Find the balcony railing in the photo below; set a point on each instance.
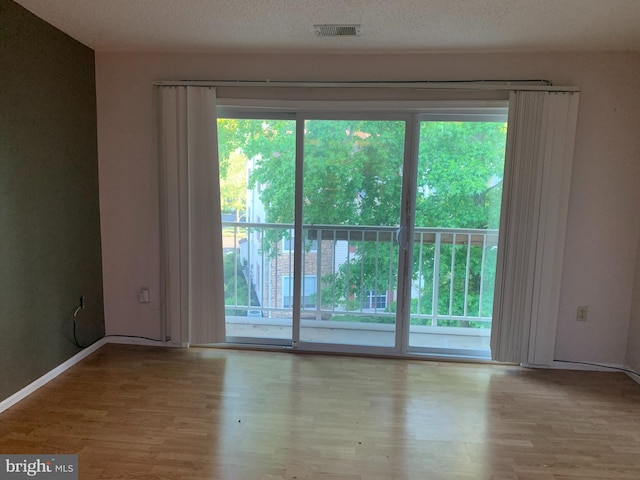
(350, 274)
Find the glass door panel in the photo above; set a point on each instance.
(459, 192)
(352, 189)
(257, 185)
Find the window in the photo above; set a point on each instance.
(369, 135)
(309, 291)
(311, 246)
(374, 301)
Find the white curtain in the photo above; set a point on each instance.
(191, 238)
(537, 175)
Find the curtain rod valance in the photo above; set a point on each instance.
(512, 85)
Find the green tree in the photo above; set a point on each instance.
(233, 184)
(272, 144)
(460, 167)
(235, 285)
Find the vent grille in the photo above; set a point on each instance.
(337, 30)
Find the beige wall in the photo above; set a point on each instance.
(603, 227)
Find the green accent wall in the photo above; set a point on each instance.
(49, 212)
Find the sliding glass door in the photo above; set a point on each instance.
(349, 232)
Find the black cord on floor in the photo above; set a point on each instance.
(620, 369)
(79, 345)
(135, 336)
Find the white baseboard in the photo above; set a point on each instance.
(47, 377)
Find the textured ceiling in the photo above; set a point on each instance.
(387, 25)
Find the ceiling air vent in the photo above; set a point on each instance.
(337, 30)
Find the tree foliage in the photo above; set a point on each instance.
(352, 172)
(233, 184)
(460, 166)
(272, 144)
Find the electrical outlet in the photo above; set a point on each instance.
(582, 313)
(143, 295)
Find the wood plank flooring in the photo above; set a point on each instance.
(134, 412)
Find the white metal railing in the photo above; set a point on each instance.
(350, 273)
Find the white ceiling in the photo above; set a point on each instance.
(387, 25)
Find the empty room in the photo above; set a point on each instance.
(320, 240)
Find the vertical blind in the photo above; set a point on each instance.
(190, 215)
(540, 139)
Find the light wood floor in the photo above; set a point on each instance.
(134, 412)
